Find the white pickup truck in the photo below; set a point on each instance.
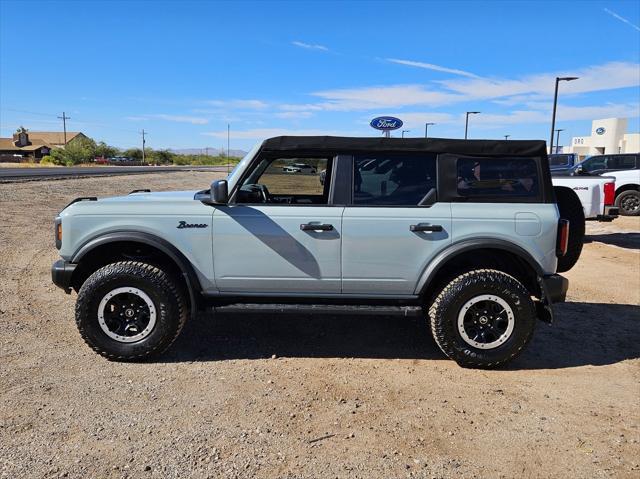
(596, 194)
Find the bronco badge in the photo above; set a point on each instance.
(184, 224)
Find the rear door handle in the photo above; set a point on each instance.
(425, 227)
(316, 227)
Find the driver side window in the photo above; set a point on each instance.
(596, 163)
(288, 181)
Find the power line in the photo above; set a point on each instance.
(87, 123)
(29, 112)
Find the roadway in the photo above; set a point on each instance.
(8, 175)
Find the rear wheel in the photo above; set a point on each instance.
(629, 203)
(130, 310)
(483, 318)
(571, 209)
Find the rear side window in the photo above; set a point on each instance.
(498, 177)
(621, 162)
(394, 180)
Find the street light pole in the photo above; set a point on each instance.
(426, 129)
(405, 131)
(466, 123)
(555, 106)
(228, 142)
(558, 138)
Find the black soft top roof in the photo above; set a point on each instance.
(433, 145)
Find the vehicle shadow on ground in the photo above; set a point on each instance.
(583, 334)
(624, 240)
(260, 335)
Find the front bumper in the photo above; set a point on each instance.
(556, 287)
(61, 273)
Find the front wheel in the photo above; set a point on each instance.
(483, 318)
(629, 203)
(130, 310)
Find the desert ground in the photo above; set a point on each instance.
(246, 395)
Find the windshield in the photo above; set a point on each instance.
(237, 171)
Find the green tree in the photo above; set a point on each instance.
(133, 153)
(106, 151)
(78, 151)
(163, 157)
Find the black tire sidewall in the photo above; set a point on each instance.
(100, 284)
(498, 284)
(570, 208)
(621, 197)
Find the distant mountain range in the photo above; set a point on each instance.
(207, 151)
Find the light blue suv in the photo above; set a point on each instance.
(467, 231)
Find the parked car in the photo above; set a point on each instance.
(467, 233)
(562, 161)
(119, 159)
(627, 192)
(299, 168)
(602, 164)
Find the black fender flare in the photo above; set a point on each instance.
(186, 269)
(453, 250)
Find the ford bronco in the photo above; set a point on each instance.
(467, 233)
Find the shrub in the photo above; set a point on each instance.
(75, 152)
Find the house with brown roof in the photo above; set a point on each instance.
(55, 138)
(33, 145)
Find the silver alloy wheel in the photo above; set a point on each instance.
(127, 314)
(486, 321)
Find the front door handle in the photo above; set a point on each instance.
(425, 227)
(316, 227)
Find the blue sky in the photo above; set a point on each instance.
(183, 70)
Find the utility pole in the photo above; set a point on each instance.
(143, 142)
(64, 119)
(228, 142)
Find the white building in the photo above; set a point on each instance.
(607, 136)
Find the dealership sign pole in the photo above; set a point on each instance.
(386, 124)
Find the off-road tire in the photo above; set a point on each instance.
(443, 316)
(623, 198)
(163, 290)
(571, 209)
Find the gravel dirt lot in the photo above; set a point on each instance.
(357, 397)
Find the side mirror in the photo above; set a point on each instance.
(578, 170)
(219, 192)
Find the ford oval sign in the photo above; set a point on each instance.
(600, 131)
(386, 123)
